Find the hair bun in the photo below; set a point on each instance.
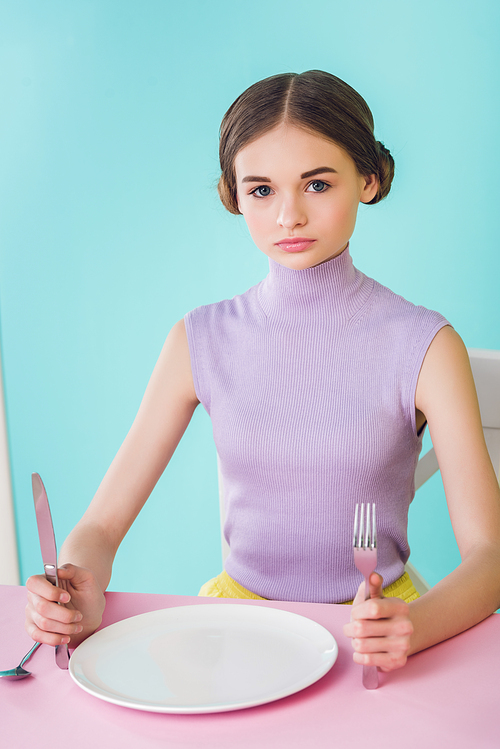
(385, 172)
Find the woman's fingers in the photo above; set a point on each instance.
(43, 609)
(388, 652)
(81, 614)
(47, 638)
(384, 661)
(379, 608)
(398, 643)
(50, 631)
(380, 631)
(399, 626)
(376, 583)
(47, 621)
(40, 586)
(70, 572)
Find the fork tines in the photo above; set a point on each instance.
(365, 534)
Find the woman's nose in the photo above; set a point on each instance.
(291, 214)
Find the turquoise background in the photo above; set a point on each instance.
(111, 228)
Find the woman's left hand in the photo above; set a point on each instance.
(380, 628)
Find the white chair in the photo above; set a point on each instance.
(486, 370)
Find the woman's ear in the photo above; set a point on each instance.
(370, 188)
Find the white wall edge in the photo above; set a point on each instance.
(9, 558)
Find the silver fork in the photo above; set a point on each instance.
(365, 558)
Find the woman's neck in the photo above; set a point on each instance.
(334, 287)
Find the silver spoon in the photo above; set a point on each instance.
(19, 672)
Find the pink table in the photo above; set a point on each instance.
(447, 696)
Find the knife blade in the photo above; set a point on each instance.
(48, 549)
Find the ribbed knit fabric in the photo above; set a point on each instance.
(309, 378)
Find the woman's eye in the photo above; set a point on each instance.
(262, 192)
(318, 186)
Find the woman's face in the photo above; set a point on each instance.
(299, 194)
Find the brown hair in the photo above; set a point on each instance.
(315, 101)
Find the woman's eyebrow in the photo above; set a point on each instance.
(255, 179)
(311, 173)
(319, 170)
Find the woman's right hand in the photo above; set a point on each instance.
(53, 624)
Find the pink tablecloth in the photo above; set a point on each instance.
(447, 696)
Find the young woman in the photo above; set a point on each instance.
(319, 383)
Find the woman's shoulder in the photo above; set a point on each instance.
(225, 310)
(396, 309)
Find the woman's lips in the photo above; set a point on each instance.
(297, 244)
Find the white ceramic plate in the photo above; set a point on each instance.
(203, 659)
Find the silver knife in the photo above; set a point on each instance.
(48, 549)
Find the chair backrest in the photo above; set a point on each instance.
(486, 370)
(222, 511)
(485, 366)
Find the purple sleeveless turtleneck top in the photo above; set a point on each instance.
(309, 378)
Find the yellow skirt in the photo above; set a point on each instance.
(224, 586)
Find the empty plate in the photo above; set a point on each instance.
(203, 658)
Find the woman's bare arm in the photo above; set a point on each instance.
(164, 414)
(90, 548)
(385, 631)
(446, 395)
